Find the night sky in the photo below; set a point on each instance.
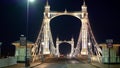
(104, 19)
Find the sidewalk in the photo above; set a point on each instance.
(100, 65)
(22, 65)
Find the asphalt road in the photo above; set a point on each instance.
(63, 63)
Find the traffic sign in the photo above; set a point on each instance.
(109, 43)
(23, 41)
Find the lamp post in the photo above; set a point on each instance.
(0, 48)
(89, 57)
(109, 43)
(42, 56)
(26, 57)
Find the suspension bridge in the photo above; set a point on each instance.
(86, 44)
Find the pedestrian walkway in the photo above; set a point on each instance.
(22, 65)
(101, 65)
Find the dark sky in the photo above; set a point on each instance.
(104, 18)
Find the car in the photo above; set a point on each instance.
(62, 56)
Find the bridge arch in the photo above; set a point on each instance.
(70, 24)
(58, 42)
(74, 14)
(64, 48)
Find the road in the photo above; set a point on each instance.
(63, 63)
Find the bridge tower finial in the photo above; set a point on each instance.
(47, 3)
(84, 7)
(65, 11)
(72, 39)
(84, 3)
(47, 7)
(57, 39)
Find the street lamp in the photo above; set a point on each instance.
(109, 43)
(89, 58)
(31, 1)
(89, 44)
(42, 56)
(26, 57)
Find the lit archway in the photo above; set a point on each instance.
(70, 24)
(65, 48)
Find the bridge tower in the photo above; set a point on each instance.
(59, 42)
(84, 28)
